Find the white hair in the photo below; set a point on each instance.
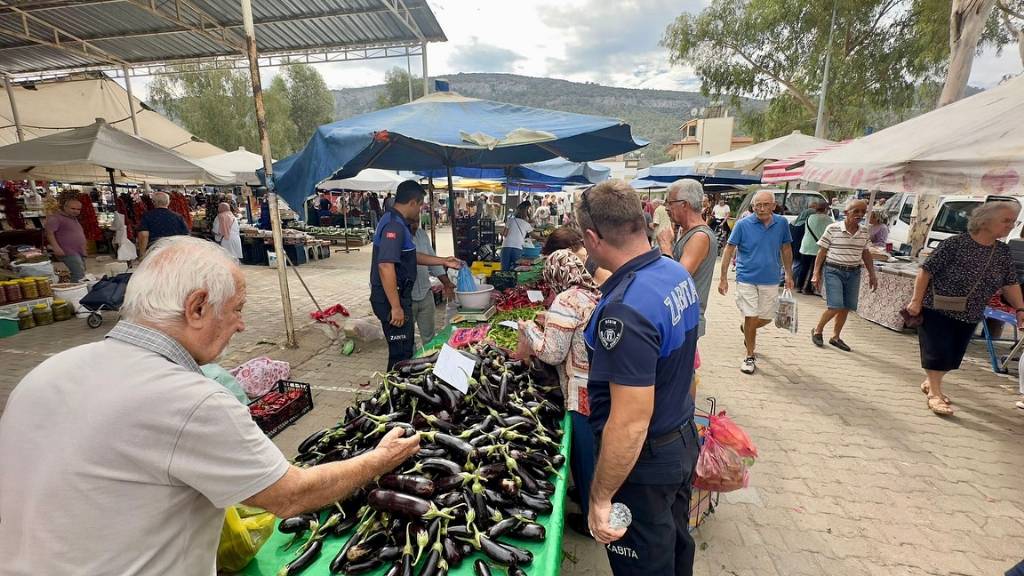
(176, 267)
(982, 215)
(688, 190)
(161, 199)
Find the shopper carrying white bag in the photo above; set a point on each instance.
(785, 316)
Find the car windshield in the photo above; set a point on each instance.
(953, 216)
(796, 202)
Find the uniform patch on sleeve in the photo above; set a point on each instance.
(391, 235)
(609, 332)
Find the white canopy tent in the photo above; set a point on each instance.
(97, 153)
(241, 163)
(751, 158)
(369, 180)
(972, 146)
(53, 106)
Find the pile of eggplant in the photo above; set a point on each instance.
(479, 482)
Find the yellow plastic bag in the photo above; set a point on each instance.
(245, 530)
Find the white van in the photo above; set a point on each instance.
(951, 219)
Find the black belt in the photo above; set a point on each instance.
(843, 267)
(670, 436)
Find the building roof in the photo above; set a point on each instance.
(60, 35)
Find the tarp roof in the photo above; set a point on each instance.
(85, 154)
(53, 106)
(752, 158)
(972, 146)
(242, 163)
(53, 35)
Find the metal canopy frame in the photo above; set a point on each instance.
(46, 38)
(41, 39)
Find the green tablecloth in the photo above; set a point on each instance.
(547, 555)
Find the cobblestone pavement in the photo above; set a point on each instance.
(855, 475)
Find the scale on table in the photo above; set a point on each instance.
(470, 315)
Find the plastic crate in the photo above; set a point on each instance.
(286, 415)
(485, 268)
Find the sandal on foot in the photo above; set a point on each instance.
(925, 390)
(936, 405)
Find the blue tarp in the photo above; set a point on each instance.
(554, 171)
(445, 129)
(672, 171)
(641, 184)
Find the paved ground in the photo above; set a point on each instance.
(855, 476)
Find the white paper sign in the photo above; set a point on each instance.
(454, 368)
(509, 324)
(535, 295)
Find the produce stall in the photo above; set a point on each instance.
(503, 475)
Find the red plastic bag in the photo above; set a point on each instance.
(730, 434)
(719, 468)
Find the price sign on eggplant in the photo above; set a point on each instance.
(454, 368)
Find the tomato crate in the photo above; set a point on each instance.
(282, 406)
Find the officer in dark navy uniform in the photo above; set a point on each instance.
(393, 271)
(642, 339)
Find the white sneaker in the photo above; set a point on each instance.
(748, 365)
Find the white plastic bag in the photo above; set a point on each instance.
(259, 375)
(367, 329)
(126, 251)
(785, 316)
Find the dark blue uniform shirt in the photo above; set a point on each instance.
(393, 242)
(643, 333)
(162, 222)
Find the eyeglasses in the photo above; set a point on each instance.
(764, 205)
(670, 202)
(585, 206)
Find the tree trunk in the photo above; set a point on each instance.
(1016, 31)
(926, 207)
(966, 23)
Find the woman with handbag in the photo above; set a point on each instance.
(952, 289)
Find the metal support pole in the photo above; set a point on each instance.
(426, 86)
(14, 108)
(131, 103)
(819, 126)
(408, 70)
(433, 219)
(275, 214)
(451, 208)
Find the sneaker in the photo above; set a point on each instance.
(817, 339)
(838, 343)
(748, 365)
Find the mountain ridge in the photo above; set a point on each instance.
(654, 115)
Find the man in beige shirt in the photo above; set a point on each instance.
(141, 453)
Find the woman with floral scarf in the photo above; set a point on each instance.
(556, 338)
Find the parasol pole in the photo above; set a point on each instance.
(451, 206)
(275, 214)
(113, 186)
(433, 221)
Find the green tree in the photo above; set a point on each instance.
(215, 105)
(396, 88)
(775, 50)
(284, 135)
(312, 103)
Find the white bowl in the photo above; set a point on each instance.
(476, 300)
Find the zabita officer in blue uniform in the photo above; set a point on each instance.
(642, 339)
(393, 271)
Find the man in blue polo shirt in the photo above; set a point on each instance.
(764, 249)
(641, 338)
(393, 271)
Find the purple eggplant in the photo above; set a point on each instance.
(415, 485)
(398, 503)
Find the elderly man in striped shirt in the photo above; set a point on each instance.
(842, 248)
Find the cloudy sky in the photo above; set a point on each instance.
(612, 43)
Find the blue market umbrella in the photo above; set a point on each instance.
(443, 131)
(671, 171)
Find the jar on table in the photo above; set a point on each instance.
(42, 314)
(25, 320)
(28, 288)
(43, 287)
(61, 310)
(13, 291)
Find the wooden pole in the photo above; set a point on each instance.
(433, 221)
(131, 104)
(426, 87)
(275, 214)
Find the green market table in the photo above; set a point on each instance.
(547, 555)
